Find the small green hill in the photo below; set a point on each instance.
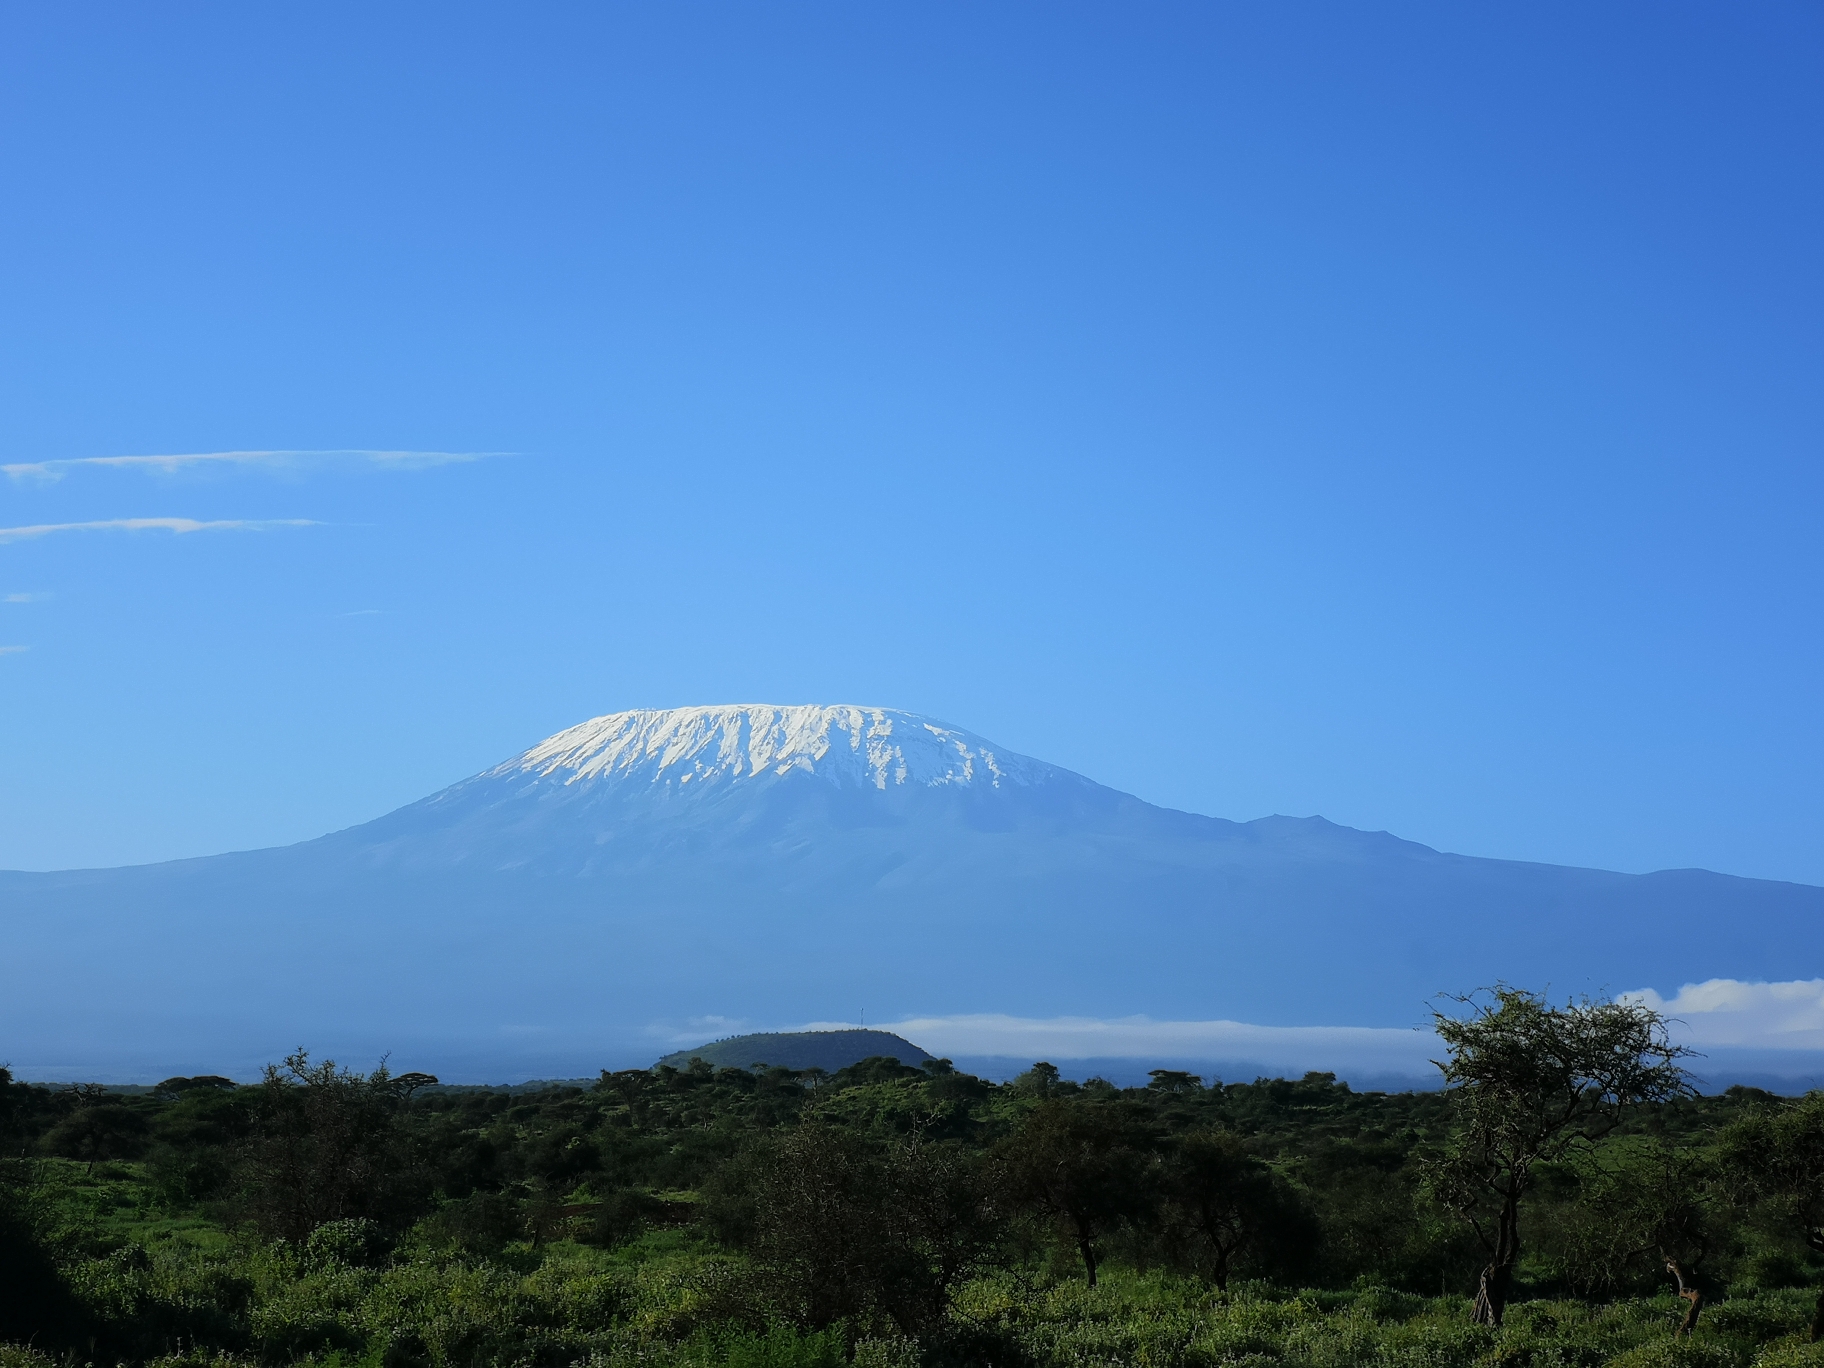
(827, 1050)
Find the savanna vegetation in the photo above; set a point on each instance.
(1564, 1199)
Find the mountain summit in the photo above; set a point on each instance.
(623, 786)
(648, 877)
(847, 746)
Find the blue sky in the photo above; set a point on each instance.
(1409, 414)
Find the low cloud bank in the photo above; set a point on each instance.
(1760, 1016)
(1751, 1032)
(1287, 1049)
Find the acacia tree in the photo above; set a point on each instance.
(848, 1229)
(1223, 1206)
(1777, 1153)
(328, 1145)
(807, 1205)
(1085, 1165)
(947, 1215)
(1530, 1084)
(1659, 1206)
(97, 1130)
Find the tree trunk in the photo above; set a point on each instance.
(1491, 1294)
(1492, 1288)
(1691, 1293)
(1089, 1260)
(1815, 1238)
(1087, 1248)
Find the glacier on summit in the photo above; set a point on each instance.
(747, 781)
(873, 747)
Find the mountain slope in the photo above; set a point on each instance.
(649, 875)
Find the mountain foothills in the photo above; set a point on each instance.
(652, 878)
(830, 1051)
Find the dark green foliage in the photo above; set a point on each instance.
(205, 1083)
(852, 1228)
(1089, 1167)
(887, 1216)
(35, 1302)
(326, 1144)
(1776, 1154)
(1531, 1084)
(104, 1128)
(1225, 1211)
(830, 1051)
(353, 1243)
(480, 1223)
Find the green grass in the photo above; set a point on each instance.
(661, 1303)
(1157, 1321)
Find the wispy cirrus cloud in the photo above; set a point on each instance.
(24, 598)
(179, 526)
(278, 460)
(13, 650)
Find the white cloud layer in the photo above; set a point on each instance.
(293, 460)
(1718, 1013)
(1722, 1013)
(1728, 1012)
(179, 526)
(1287, 1048)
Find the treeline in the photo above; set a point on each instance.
(924, 1213)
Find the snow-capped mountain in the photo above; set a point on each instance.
(750, 779)
(757, 866)
(846, 746)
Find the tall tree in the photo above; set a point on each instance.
(1647, 1203)
(328, 1145)
(1531, 1083)
(848, 1229)
(99, 1129)
(1224, 1207)
(1086, 1165)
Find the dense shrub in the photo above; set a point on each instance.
(883, 1217)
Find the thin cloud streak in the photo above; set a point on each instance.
(170, 464)
(24, 598)
(179, 526)
(13, 650)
